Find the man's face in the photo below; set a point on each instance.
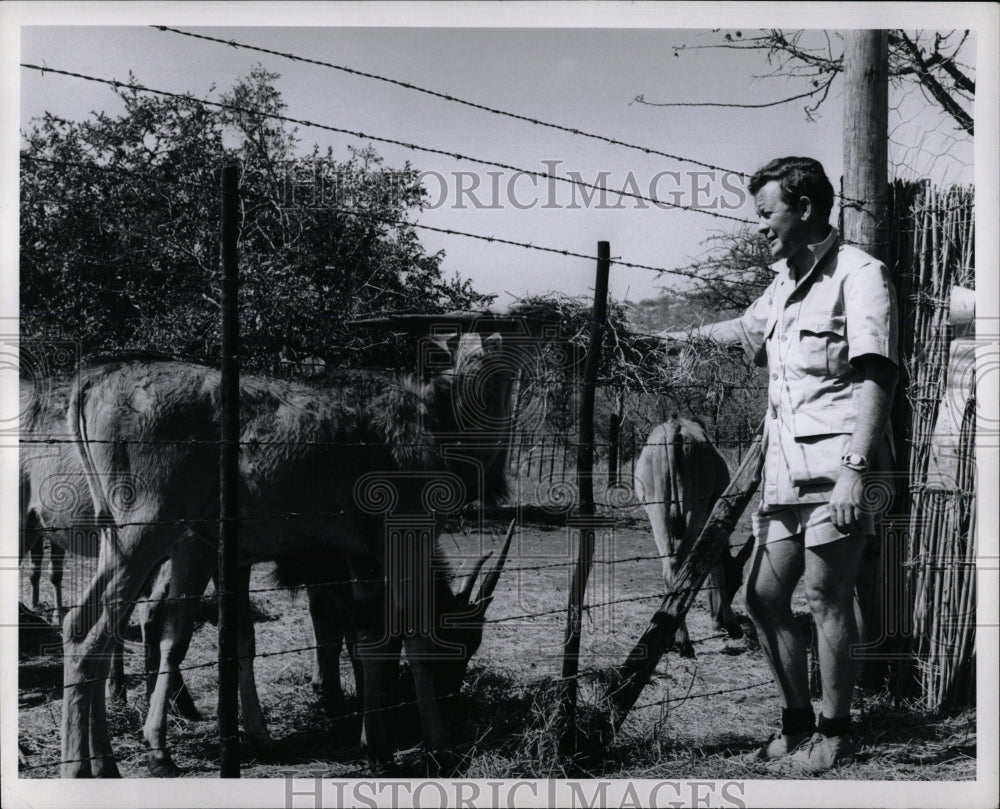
(784, 226)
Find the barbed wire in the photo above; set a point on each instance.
(459, 574)
(685, 273)
(475, 105)
(341, 444)
(619, 192)
(209, 520)
(702, 694)
(360, 714)
(539, 682)
(315, 646)
(448, 97)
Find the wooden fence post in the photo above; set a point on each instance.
(229, 480)
(585, 483)
(630, 678)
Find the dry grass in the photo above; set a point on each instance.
(693, 720)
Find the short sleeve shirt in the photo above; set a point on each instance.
(808, 330)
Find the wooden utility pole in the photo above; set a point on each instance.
(865, 212)
(866, 140)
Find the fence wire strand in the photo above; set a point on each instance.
(619, 192)
(448, 97)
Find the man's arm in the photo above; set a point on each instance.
(723, 331)
(873, 402)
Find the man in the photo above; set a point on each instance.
(826, 328)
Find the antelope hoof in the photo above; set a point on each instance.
(162, 766)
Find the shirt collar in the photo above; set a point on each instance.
(813, 256)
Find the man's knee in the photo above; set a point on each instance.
(828, 598)
(761, 600)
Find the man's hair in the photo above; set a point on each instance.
(798, 177)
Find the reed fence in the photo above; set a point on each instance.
(935, 417)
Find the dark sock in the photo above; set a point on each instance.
(797, 720)
(839, 726)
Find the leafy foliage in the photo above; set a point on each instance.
(120, 224)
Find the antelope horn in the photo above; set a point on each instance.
(491, 578)
(465, 589)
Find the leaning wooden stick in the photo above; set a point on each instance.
(635, 672)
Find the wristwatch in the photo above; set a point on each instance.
(854, 461)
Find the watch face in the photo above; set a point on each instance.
(856, 462)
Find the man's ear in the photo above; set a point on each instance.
(806, 209)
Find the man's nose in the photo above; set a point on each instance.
(762, 226)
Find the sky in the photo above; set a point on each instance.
(577, 64)
(583, 78)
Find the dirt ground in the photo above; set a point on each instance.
(694, 719)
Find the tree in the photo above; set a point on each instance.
(120, 223)
(933, 60)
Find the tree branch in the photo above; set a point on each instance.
(911, 58)
(933, 86)
(962, 82)
(641, 99)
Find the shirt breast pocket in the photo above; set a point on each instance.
(823, 345)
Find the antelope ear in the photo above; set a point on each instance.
(446, 342)
(439, 351)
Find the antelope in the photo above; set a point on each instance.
(53, 495)
(353, 479)
(678, 478)
(55, 504)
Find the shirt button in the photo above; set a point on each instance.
(774, 375)
(784, 338)
(774, 414)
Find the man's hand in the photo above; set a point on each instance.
(846, 501)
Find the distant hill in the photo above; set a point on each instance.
(671, 312)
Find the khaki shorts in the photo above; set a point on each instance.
(809, 520)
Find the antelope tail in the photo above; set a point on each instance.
(77, 423)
